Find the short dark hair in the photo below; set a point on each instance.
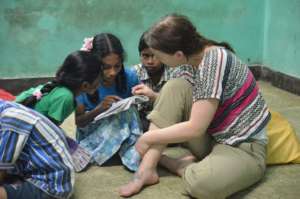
(142, 43)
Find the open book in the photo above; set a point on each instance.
(122, 105)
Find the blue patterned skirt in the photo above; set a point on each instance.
(114, 134)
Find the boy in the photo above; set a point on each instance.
(152, 74)
(35, 150)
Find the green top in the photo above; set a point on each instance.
(58, 104)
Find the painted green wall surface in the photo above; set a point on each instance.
(282, 36)
(35, 36)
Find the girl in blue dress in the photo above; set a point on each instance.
(117, 133)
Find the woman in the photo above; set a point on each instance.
(217, 98)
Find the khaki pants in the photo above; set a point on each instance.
(222, 169)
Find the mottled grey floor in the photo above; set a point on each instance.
(280, 181)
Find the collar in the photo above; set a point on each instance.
(144, 76)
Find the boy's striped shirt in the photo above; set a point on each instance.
(32, 146)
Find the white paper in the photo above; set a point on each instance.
(122, 105)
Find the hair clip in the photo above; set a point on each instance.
(87, 44)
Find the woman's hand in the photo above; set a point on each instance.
(142, 89)
(142, 146)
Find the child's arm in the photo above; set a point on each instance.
(184, 131)
(83, 118)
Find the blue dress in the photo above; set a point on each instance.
(114, 134)
(131, 81)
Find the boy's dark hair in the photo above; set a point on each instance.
(142, 43)
(176, 32)
(105, 44)
(78, 67)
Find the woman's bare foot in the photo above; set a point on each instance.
(141, 179)
(176, 166)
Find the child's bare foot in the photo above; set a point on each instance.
(176, 166)
(141, 179)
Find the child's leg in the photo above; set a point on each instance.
(24, 190)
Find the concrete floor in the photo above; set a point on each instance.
(281, 181)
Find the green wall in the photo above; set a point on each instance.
(35, 36)
(282, 36)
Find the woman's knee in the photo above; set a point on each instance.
(173, 105)
(177, 86)
(212, 177)
(201, 183)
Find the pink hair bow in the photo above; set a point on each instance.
(38, 94)
(87, 44)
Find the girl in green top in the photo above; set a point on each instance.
(80, 72)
